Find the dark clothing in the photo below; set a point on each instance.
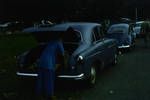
(48, 56)
(45, 82)
(46, 68)
(145, 30)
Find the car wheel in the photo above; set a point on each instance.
(115, 61)
(92, 78)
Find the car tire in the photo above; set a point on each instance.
(115, 61)
(92, 78)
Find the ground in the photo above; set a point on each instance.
(128, 80)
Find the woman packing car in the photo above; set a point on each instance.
(46, 68)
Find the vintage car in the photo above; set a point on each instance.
(11, 26)
(86, 51)
(123, 33)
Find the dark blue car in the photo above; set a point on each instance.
(86, 51)
(123, 33)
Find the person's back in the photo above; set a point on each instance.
(145, 30)
(145, 27)
(48, 56)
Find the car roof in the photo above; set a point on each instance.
(125, 27)
(120, 24)
(80, 26)
(139, 22)
(65, 26)
(85, 28)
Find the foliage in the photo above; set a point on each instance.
(10, 46)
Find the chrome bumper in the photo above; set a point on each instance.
(124, 46)
(27, 74)
(73, 77)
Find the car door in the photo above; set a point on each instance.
(133, 34)
(108, 45)
(130, 34)
(98, 44)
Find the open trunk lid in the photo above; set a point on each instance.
(70, 42)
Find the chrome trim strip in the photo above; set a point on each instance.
(71, 76)
(80, 76)
(124, 46)
(26, 74)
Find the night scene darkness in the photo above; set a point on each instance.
(60, 9)
(74, 49)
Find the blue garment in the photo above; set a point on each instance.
(48, 56)
(46, 68)
(45, 82)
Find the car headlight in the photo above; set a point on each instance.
(80, 59)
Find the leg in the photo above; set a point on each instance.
(49, 79)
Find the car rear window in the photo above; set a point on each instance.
(116, 30)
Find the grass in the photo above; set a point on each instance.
(10, 46)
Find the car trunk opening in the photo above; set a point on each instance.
(70, 43)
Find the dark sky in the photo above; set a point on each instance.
(31, 9)
(39, 9)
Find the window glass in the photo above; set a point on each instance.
(97, 34)
(93, 37)
(130, 29)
